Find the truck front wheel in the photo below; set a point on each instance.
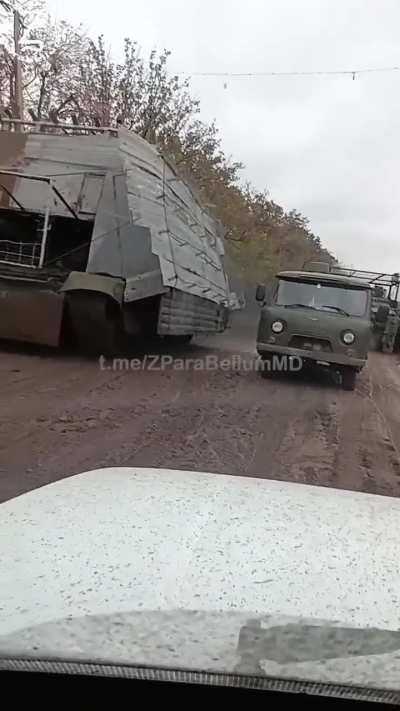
(266, 368)
(349, 376)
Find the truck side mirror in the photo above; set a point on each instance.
(260, 292)
(382, 313)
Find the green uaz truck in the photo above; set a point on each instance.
(316, 317)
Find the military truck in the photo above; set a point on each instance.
(317, 317)
(101, 240)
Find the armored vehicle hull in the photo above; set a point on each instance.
(101, 240)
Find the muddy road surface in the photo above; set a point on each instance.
(62, 414)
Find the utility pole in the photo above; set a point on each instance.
(19, 97)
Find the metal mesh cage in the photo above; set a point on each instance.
(21, 253)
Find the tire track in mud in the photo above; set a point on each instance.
(64, 415)
(367, 457)
(190, 429)
(307, 448)
(341, 439)
(110, 420)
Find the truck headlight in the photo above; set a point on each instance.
(348, 337)
(277, 327)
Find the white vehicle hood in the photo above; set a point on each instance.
(197, 571)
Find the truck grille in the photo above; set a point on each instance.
(310, 344)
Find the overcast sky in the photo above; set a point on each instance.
(327, 146)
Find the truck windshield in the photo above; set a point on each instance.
(324, 297)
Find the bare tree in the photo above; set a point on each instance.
(52, 82)
(135, 93)
(50, 56)
(13, 58)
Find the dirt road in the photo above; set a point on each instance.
(61, 414)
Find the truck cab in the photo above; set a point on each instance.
(318, 318)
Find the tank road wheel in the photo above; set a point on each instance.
(95, 323)
(349, 376)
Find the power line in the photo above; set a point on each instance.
(334, 72)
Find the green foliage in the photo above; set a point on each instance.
(260, 236)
